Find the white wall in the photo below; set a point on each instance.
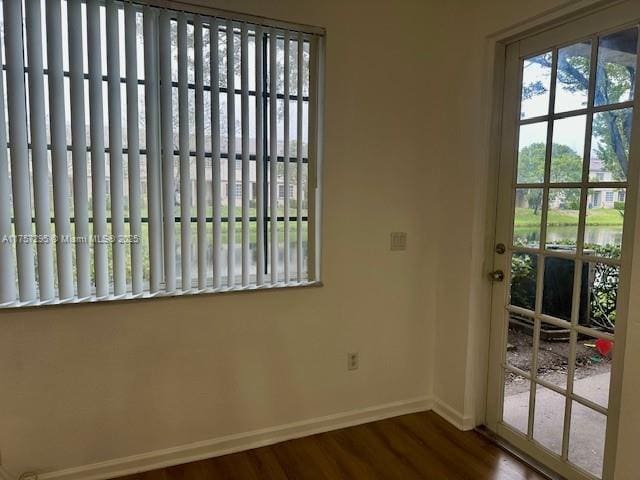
(81, 384)
(405, 117)
(460, 135)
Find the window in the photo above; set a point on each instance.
(132, 107)
(621, 196)
(292, 191)
(608, 196)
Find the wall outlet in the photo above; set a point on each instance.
(398, 241)
(353, 361)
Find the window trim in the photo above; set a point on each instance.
(195, 9)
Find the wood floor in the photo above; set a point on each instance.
(417, 446)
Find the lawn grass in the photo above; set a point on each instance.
(595, 217)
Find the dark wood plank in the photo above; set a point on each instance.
(266, 464)
(231, 467)
(429, 460)
(485, 459)
(304, 458)
(152, 475)
(351, 459)
(411, 447)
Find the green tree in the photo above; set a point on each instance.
(531, 163)
(566, 166)
(612, 129)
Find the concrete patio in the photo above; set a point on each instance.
(587, 433)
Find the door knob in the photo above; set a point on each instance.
(496, 275)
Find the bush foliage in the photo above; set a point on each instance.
(603, 281)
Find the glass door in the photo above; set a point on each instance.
(565, 214)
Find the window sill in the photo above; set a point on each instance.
(160, 295)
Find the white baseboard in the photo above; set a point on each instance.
(453, 416)
(234, 443)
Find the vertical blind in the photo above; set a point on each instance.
(147, 151)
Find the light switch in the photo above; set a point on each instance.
(398, 241)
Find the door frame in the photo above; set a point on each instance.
(496, 74)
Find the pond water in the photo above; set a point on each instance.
(601, 235)
(253, 254)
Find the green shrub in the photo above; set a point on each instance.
(603, 291)
(572, 204)
(523, 281)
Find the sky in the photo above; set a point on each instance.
(569, 131)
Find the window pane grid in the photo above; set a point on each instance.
(111, 246)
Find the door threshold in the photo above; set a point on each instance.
(528, 460)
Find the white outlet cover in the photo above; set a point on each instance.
(353, 361)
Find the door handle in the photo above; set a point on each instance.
(496, 276)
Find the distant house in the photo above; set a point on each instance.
(224, 175)
(603, 197)
(568, 198)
